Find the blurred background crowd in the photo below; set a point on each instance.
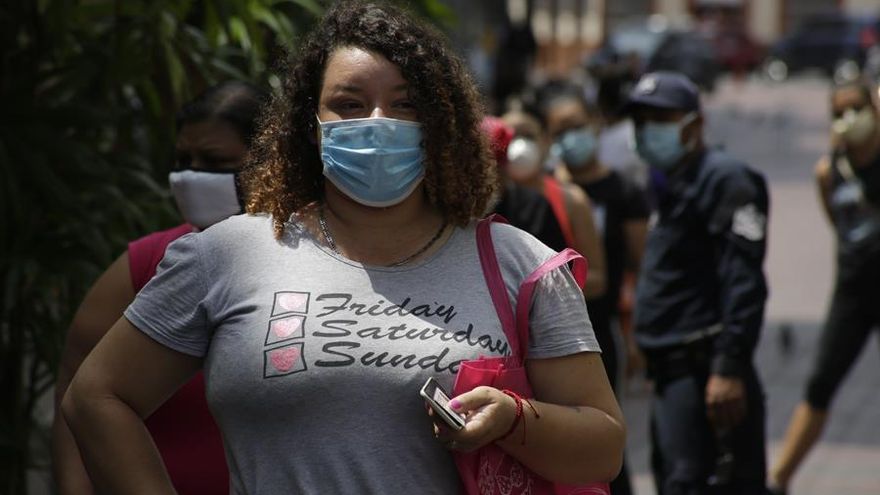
(90, 90)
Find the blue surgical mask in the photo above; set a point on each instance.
(659, 144)
(375, 161)
(576, 147)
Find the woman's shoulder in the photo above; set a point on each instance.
(514, 246)
(238, 227)
(236, 233)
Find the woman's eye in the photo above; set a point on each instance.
(349, 105)
(405, 105)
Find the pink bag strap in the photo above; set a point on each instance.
(494, 279)
(527, 288)
(516, 326)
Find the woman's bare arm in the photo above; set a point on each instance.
(823, 185)
(587, 239)
(102, 306)
(580, 435)
(123, 380)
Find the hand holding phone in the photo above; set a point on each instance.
(438, 399)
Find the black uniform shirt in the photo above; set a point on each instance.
(703, 261)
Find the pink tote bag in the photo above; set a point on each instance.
(489, 470)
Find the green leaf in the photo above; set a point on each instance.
(239, 32)
(176, 72)
(311, 6)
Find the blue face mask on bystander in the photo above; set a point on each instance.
(375, 161)
(659, 144)
(576, 147)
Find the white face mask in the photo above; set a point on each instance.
(523, 158)
(856, 127)
(205, 198)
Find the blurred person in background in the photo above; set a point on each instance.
(620, 214)
(214, 132)
(700, 298)
(617, 135)
(526, 156)
(523, 207)
(620, 208)
(848, 180)
(617, 152)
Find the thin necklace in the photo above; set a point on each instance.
(331, 243)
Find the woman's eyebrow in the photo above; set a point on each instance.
(346, 88)
(354, 88)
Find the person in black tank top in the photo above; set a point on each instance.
(849, 180)
(620, 214)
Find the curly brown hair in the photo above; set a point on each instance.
(284, 173)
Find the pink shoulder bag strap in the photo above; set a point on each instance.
(516, 325)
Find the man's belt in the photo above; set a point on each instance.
(693, 354)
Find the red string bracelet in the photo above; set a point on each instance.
(519, 414)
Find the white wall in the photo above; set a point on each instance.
(672, 8)
(764, 19)
(869, 6)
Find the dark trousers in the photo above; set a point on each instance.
(853, 315)
(684, 447)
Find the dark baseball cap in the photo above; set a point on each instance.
(666, 90)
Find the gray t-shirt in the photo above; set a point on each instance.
(314, 362)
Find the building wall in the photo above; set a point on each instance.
(764, 20)
(869, 6)
(619, 11)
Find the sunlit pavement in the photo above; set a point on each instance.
(782, 129)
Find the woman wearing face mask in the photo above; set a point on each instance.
(621, 216)
(214, 133)
(570, 207)
(849, 186)
(355, 278)
(521, 206)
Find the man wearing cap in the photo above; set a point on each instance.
(700, 298)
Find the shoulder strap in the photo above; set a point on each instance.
(527, 289)
(516, 327)
(554, 194)
(494, 279)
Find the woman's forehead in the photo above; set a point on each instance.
(353, 67)
(522, 123)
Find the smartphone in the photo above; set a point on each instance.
(438, 399)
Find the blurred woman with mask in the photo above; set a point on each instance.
(214, 133)
(526, 155)
(849, 187)
(620, 211)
